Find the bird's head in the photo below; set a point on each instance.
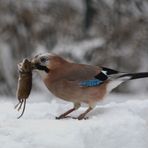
(40, 62)
(47, 62)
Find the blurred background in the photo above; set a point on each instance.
(111, 33)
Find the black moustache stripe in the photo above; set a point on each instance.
(40, 67)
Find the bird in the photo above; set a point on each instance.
(78, 83)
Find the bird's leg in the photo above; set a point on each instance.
(76, 106)
(65, 114)
(82, 116)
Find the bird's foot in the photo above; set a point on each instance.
(82, 117)
(62, 117)
(79, 118)
(58, 118)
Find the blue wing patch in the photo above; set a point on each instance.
(91, 83)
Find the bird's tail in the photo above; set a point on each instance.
(117, 79)
(132, 76)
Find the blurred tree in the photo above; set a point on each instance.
(74, 28)
(89, 14)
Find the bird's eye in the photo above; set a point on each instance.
(43, 59)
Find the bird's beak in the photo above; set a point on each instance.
(36, 65)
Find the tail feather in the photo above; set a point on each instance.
(132, 76)
(117, 79)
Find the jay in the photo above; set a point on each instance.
(78, 83)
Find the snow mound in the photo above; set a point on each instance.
(112, 125)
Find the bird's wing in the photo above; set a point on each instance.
(89, 76)
(99, 79)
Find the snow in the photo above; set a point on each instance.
(119, 121)
(78, 50)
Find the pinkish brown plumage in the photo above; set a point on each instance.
(78, 83)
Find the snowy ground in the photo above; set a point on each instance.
(119, 123)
